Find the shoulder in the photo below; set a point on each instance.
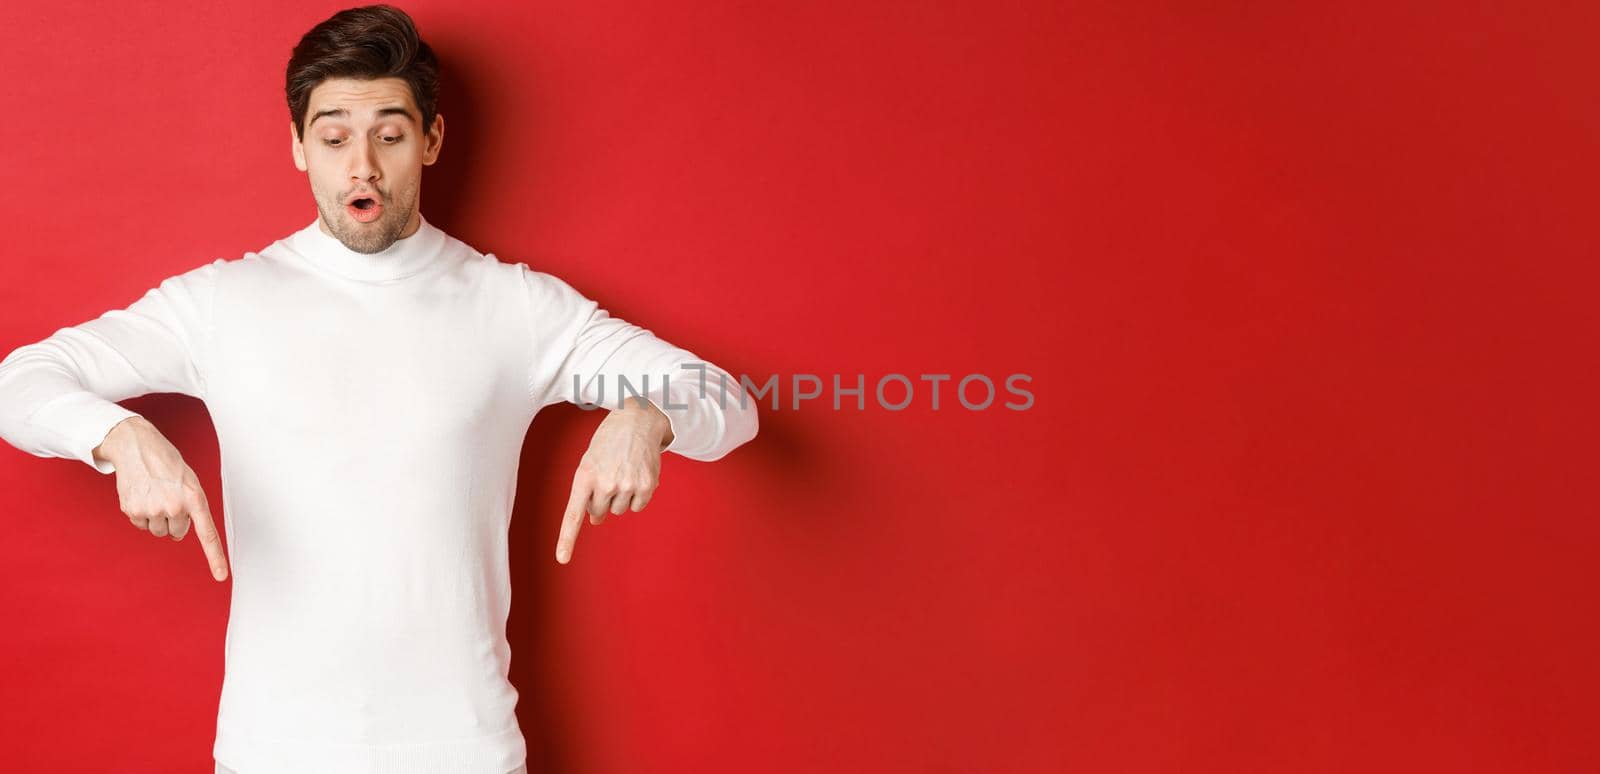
(500, 273)
(545, 296)
(542, 288)
(198, 281)
(261, 265)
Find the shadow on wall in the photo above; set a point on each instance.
(446, 184)
(789, 470)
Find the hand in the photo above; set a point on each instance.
(159, 493)
(619, 471)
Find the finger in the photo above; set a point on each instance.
(572, 520)
(599, 505)
(178, 526)
(641, 499)
(619, 504)
(205, 528)
(158, 525)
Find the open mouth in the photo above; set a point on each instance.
(365, 209)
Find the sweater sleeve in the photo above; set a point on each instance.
(58, 395)
(583, 355)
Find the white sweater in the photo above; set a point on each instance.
(370, 412)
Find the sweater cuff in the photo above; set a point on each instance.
(677, 442)
(81, 421)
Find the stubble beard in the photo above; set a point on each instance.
(366, 237)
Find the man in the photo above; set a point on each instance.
(371, 380)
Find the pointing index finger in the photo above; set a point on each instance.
(571, 521)
(206, 530)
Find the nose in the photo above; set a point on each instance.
(364, 162)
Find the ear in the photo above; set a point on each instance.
(296, 148)
(435, 139)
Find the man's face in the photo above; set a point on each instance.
(363, 153)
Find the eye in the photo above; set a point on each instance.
(331, 143)
(394, 139)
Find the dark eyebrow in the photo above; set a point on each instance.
(342, 113)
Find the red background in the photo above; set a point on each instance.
(1306, 485)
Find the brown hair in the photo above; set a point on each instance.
(370, 42)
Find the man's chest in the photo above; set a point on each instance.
(411, 366)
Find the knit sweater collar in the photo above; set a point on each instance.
(407, 256)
